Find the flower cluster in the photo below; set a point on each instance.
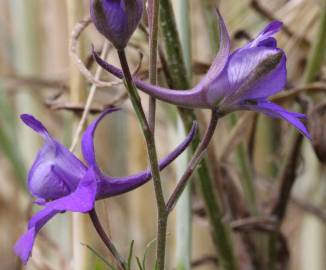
(241, 80)
(61, 182)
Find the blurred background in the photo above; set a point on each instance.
(37, 75)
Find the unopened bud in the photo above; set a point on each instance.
(116, 19)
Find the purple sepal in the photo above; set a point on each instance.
(24, 245)
(265, 37)
(273, 110)
(56, 171)
(87, 144)
(36, 125)
(81, 200)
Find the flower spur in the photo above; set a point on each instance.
(61, 182)
(242, 80)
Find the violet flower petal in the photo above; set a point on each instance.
(87, 143)
(253, 73)
(56, 171)
(186, 98)
(24, 245)
(82, 199)
(265, 36)
(273, 110)
(221, 58)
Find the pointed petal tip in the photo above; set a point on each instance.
(87, 144)
(273, 27)
(34, 124)
(274, 110)
(24, 245)
(193, 129)
(110, 110)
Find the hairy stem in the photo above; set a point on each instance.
(106, 240)
(195, 160)
(153, 16)
(152, 155)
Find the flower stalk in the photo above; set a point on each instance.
(122, 264)
(195, 160)
(153, 18)
(152, 155)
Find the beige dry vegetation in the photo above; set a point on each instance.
(34, 78)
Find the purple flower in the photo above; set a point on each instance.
(116, 19)
(61, 182)
(242, 80)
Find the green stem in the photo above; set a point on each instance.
(317, 55)
(153, 17)
(184, 207)
(195, 160)
(177, 72)
(176, 64)
(152, 155)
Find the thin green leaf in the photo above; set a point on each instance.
(98, 255)
(130, 254)
(139, 264)
(148, 246)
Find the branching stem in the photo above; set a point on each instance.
(195, 160)
(152, 155)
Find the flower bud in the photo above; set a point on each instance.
(116, 19)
